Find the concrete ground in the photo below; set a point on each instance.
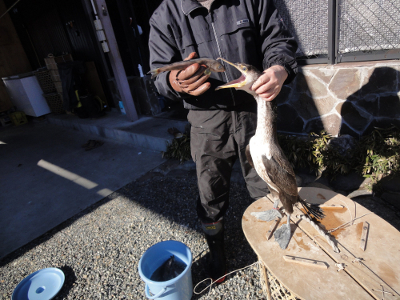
(47, 176)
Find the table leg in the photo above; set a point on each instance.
(264, 280)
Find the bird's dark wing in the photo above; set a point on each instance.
(280, 157)
(248, 156)
(282, 175)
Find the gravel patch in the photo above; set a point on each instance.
(99, 249)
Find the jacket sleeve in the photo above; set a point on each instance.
(277, 44)
(163, 51)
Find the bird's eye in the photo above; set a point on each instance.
(244, 68)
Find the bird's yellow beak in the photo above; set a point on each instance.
(237, 83)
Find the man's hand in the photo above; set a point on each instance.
(192, 80)
(270, 83)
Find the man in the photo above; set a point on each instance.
(247, 31)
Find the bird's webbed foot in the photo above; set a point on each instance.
(268, 215)
(283, 235)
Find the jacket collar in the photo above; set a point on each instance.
(188, 6)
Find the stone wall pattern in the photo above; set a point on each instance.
(347, 98)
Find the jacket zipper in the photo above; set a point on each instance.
(220, 55)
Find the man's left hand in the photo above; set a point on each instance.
(270, 83)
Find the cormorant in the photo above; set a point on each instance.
(267, 158)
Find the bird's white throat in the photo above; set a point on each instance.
(266, 123)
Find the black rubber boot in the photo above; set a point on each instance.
(214, 233)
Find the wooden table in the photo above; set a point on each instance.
(373, 273)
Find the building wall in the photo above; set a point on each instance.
(53, 27)
(348, 98)
(13, 59)
(58, 27)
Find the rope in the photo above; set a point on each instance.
(212, 282)
(326, 235)
(321, 232)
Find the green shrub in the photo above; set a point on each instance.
(374, 156)
(379, 154)
(179, 148)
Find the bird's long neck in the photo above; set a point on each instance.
(266, 120)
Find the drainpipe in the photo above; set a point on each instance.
(110, 46)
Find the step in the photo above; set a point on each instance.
(147, 132)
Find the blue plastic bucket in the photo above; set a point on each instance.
(178, 288)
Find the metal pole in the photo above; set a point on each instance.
(332, 32)
(337, 25)
(116, 62)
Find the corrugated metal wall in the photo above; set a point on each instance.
(126, 16)
(54, 27)
(48, 35)
(58, 27)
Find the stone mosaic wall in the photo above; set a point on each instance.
(347, 98)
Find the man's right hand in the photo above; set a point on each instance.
(191, 80)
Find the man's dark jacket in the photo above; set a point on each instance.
(246, 31)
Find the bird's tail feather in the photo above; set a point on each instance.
(154, 73)
(312, 209)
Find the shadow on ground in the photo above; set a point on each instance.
(174, 197)
(158, 206)
(99, 248)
